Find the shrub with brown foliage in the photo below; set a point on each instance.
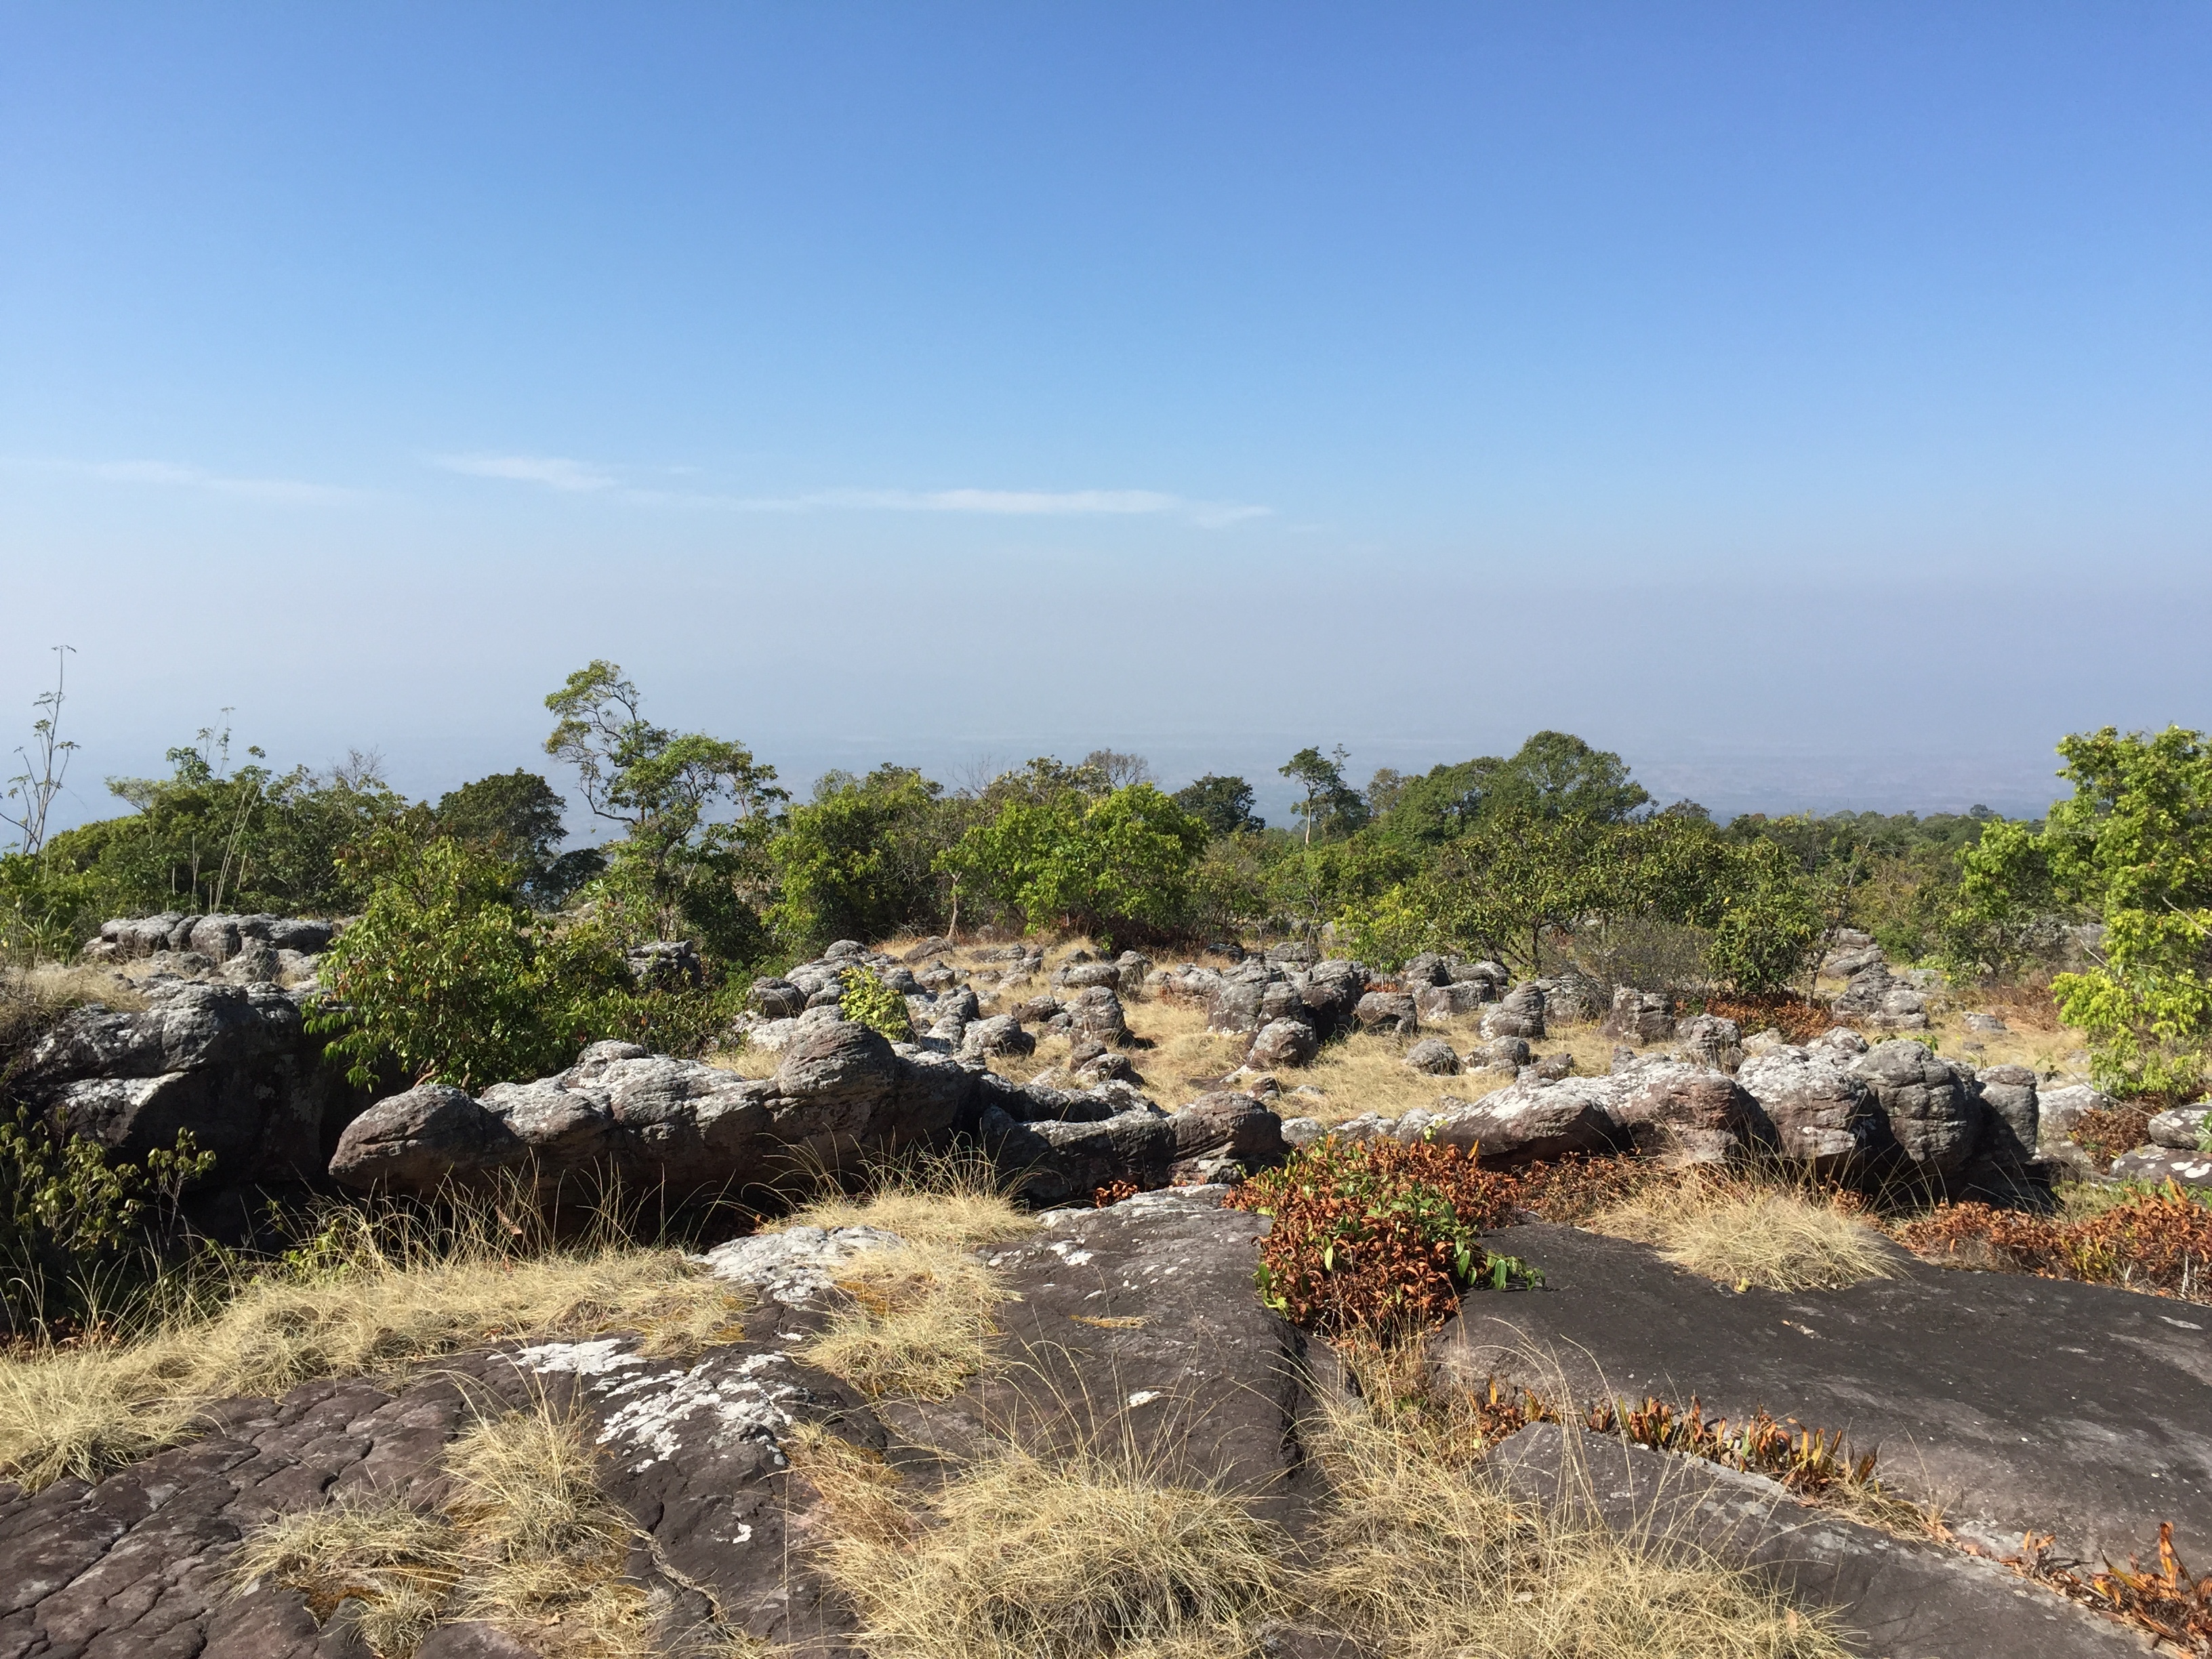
(1373, 1235)
(2110, 1130)
(1798, 1021)
(2159, 1240)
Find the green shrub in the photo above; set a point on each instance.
(1112, 865)
(866, 1000)
(69, 1215)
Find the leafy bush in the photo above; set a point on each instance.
(1376, 1236)
(69, 1213)
(2133, 846)
(1113, 866)
(2159, 1240)
(859, 860)
(866, 1000)
(446, 976)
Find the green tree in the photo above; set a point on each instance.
(516, 816)
(2133, 845)
(859, 860)
(1329, 804)
(1113, 867)
(1223, 804)
(678, 867)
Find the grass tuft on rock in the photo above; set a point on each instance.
(1741, 1231)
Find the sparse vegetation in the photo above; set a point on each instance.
(1738, 1231)
(2158, 1240)
(367, 1295)
(525, 1540)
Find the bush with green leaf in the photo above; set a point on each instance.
(866, 1000)
(1115, 866)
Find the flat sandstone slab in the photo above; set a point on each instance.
(2016, 1402)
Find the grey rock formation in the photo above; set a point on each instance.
(1001, 1034)
(1386, 1010)
(1096, 1012)
(232, 1065)
(2156, 1165)
(1451, 1000)
(2180, 1129)
(2057, 1110)
(1823, 1113)
(1639, 1017)
(1525, 1121)
(1519, 1013)
(1433, 1056)
(1708, 1040)
(1934, 1112)
(1685, 1115)
(2009, 1095)
(1283, 1043)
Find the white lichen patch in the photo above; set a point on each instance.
(796, 1265)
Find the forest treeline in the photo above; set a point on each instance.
(1551, 855)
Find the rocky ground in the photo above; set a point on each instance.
(1135, 1327)
(2018, 1404)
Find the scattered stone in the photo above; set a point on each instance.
(1987, 1023)
(1388, 1011)
(1433, 1056)
(1283, 1043)
(1639, 1017)
(1520, 1014)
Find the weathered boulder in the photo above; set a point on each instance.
(1708, 1040)
(1519, 1013)
(1525, 1121)
(1133, 968)
(1573, 997)
(665, 964)
(1451, 999)
(1639, 1017)
(2009, 1093)
(1876, 998)
(1331, 991)
(1386, 1010)
(1823, 1113)
(2156, 1165)
(1222, 1136)
(1433, 1056)
(2057, 1110)
(1283, 1043)
(1507, 1053)
(1079, 975)
(2180, 1128)
(232, 1065)
(1055, 1161)
(1001, 1034)
(1685, 1115)
(1935, 1112)
(1096, 1012)
(777, 998)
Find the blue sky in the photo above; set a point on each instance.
(1810, 402)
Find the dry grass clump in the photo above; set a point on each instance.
(1020, 1557)
(918, 1320)
(526, 1541)
(1421, 1559)
(951, 1199)
(1743, 1232)
(365, 1300)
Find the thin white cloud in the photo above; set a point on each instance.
(554, 471)
(573, 476)
(288, 491)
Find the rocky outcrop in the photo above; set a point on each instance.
(1684, 1115)
(1526, 1121)
(1933, 1108)
(1282, 1042)
(841, 1096)
(1822, 1113)
(1877, 999)
(232, 1065)
(1434, 1057)
(1639, 1017)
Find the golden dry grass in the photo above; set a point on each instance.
(1427, 1560)
(63, 984)
(1740, 1230)
(1019, 1556)
(917, 1321)
(367, 1305)
(526, 1541)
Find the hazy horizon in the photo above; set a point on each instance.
(1811, 405)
